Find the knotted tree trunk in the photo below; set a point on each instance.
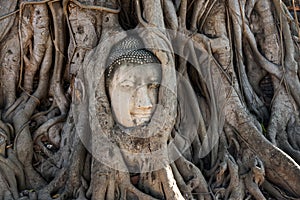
(227, 122)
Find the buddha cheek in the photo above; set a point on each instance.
(121, 103)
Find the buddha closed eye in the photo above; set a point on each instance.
(133, 90)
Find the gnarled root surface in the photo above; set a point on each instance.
(231, 99)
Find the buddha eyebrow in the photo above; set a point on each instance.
(125, 81)
(126, 78)
(127, 75)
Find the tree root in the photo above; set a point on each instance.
(59, 43)
(49, 191)
(193, 177)
(108, 183)
(170, 15)
(255, 178)
(231, 56)
(274, 160)
(185, 190)
(40, 34)
(236, 188)
(45, 127)
(125, 186)
(9, 71)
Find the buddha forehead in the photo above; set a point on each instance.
(137, 72)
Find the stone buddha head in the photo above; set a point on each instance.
(132, 82)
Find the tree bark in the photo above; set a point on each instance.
(226, 125)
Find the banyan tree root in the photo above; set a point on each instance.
(40, 24)
(237, 179)
(276, 131)
(112, 184)
(118, 185)
(10, 63)
(60, 45)
(256, 65)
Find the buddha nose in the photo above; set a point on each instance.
(143, 100)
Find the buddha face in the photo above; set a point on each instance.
(133, 92)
